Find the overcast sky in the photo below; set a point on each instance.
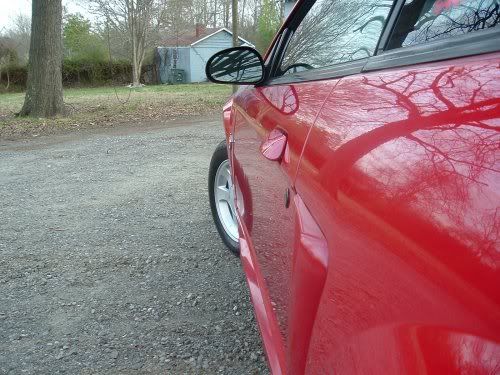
(11, 8)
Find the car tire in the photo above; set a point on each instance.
(223, 209)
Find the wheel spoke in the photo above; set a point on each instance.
(223, 191)
(223, 194)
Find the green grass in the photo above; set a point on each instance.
(108, 106)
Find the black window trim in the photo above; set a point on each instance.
(471, 44)
(475, 43)
(328, 72)
(277, 54)
(390, 22)
(280, 46)
(320, 74)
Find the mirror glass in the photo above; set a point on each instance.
(240, 65)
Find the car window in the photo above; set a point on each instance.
(423, 21)
(335, 31)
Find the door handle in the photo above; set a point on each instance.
(274, 146)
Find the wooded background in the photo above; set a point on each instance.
(115, 44)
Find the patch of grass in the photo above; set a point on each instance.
(107, 106)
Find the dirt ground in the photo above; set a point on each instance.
(105, 107)
(110, 262)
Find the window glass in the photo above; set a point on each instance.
(427, 20)
(336, 31)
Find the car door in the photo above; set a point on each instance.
(401, 174)
(272, 121)
(287, 245)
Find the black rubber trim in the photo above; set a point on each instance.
(299, 15)
(277, 53)
(475, 43)
(335, 71)
(392, 17)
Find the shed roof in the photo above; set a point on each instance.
(189, 38)
(186, 38)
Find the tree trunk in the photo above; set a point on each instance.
(44, 95)
(137, 59)
(215, 14)
(135, 75)
(235, 22)
(137, 36)
(242, 16)
(227, 6)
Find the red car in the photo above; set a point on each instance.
(360, 183)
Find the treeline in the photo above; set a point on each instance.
(74, 73)
(258, 20)
(86, 59)
(120, 40)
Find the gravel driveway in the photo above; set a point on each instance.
(110, 262)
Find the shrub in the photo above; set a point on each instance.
(75, 73)
(14, 76)
(94, 73)
(81, 42)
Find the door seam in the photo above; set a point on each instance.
(308, 134)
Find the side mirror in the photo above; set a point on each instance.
(237, 65)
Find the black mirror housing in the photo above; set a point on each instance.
(236, 66)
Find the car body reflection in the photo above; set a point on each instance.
(407, 165)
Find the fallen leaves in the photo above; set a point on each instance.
(98, 108)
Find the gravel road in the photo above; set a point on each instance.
(110, 262)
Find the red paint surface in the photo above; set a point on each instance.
(261, 184)
(274, 146)
(260, 299)
(310, 265)
(442, 5)
(402, 174)
(388, 259)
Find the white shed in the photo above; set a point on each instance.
(189, 53)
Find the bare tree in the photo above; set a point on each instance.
(200, 11)
(136, 26)
(7, 55)
(20, 34)
(180, 15)
(137, 20)
(139, 17)
(44, 95)
(235, 22)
